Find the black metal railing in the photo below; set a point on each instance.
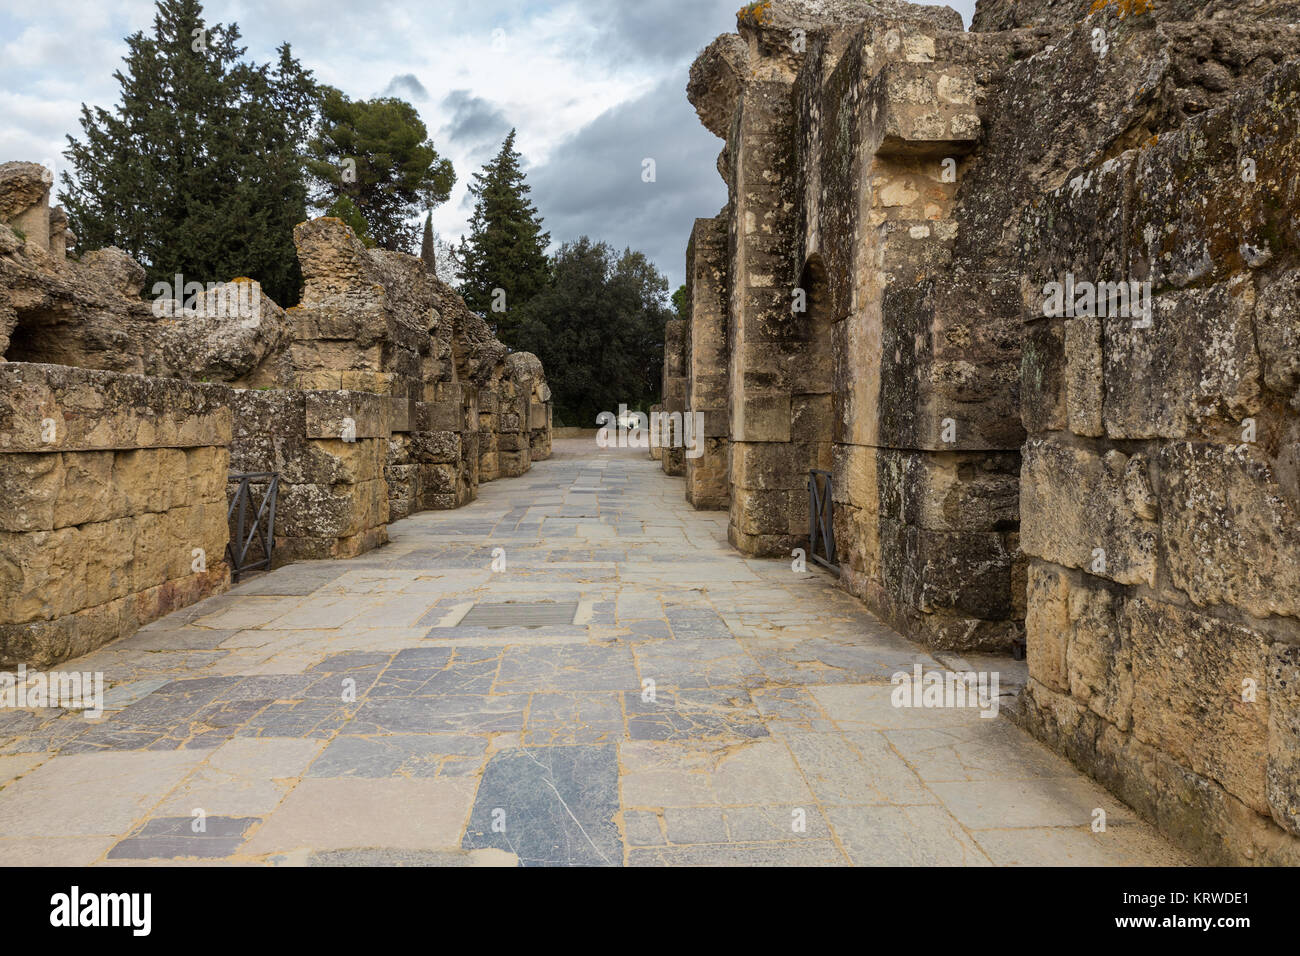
(252, 523)
(821, 523)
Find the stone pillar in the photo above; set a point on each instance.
(707, 362)
(673, 458)
(768, 512)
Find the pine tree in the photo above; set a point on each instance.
(199, 168)
(378, 154)
(343, 208)
(506, 249)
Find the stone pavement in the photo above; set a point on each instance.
(673, 703)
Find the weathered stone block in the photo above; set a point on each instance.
(1229, 534)
(1195, 367)
(1188, 673)
(1081, 510)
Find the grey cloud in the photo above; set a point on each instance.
(591, 184)
(669, 31)
(476, 124)
(406, 85)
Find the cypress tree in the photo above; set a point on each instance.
(506, 248)
(199, 169)
(427, 252)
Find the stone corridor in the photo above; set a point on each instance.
(374, 711)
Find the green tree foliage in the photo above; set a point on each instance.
(345, 209)
(598, 327)
(682, 303)
(199, 169)
(506, 248)
(379, 155)
(428, 253)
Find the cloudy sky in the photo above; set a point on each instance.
(594, 87)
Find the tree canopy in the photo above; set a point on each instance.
(378, 154)
(198, 170)
(598, 327)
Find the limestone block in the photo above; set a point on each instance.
(1277, 331)
(762, 418)
(951, 364)
(42, 574)
(1043, 370)
(1075, 511)
(329, 415)
(442, 416)
(951, 492)
(1083, 376)
(922, 109)
(1188, 670)
(87, 410)
(928, 571)
(1229, 532)
(1197, 366)
(1283, 772)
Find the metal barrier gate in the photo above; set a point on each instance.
(821, 524)
(244, 534)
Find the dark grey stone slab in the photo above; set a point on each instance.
(469, 714)
(171, 838)
(307, 719)
(556, 806)
(567, 667)
(697, 624)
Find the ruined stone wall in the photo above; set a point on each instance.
(1159, 493)
(115, 505)
(853, 343)
(364, 398)
(1128, 492)
(333, 497)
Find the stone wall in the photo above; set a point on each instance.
(333, 497)
(1159, 491)
(378, 396)
(852, 343)
(115, 505)
(1122, 498)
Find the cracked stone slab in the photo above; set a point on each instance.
(551, 806)
(701, 714)
(566, 667)
(696, 662)
(573, 718)
(244, 777)
(904, 836)
(430, 715)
